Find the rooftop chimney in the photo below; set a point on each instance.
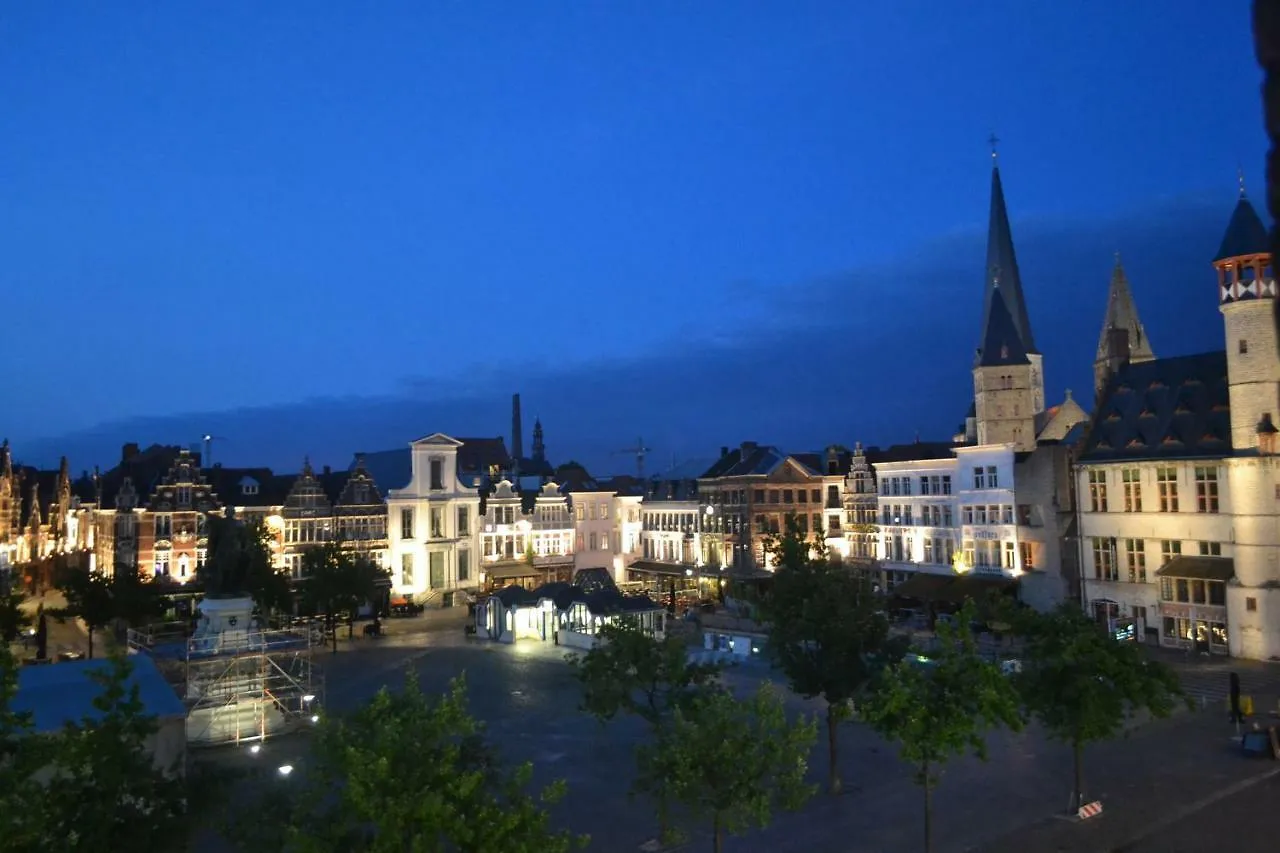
(517, 429)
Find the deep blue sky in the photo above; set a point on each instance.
(323, 227)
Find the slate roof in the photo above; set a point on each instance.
(1167, 408)
(477, 454)
(145, 469)
(1002, 268)
(64, 693)
(750, 459)
(1001, 344)
(228, 485)
(671, 490)
(600, 601)
(393, 469)
(1245, 235)
(390, 469)
(820, 462)
(918, 451)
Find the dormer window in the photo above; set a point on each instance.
(249, 487)
(437, 475)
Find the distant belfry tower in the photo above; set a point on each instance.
(517, 429)
(1123, 339)
(1246, 293)
(539, 447)
(1008, 370)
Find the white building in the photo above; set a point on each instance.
(979, 511)
(432, 524)
(527, 539)
(1179, 482)
(607, 525)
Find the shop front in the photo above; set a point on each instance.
(1193, 603)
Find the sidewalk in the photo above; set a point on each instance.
(68, 635)
(1162, 773)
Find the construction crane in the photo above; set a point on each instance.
(639, 452)
(206, 458)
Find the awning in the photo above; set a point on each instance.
(954, 589)
(655, 568)
(923, 586)
(1198, 568)
(502, 573)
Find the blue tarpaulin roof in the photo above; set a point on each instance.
(61, 693)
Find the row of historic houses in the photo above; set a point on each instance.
(1159, 512)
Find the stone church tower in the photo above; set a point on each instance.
(1123, 339)
(1246, 297)
(1008, 371)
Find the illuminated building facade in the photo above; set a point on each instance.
(1179, 479)
(434, 524)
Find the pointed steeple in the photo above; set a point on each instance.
(1002, 267)
(1001, 345)
(1122, 316)
(1245, 235)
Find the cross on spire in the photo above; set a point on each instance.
(994, 142)
(1240, 178)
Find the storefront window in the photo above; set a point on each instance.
(1168, 628)
(1217, 634)
(1217, 593)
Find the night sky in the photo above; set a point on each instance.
(316, 228)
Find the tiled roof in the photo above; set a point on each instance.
(1246, 235)
(1166, 408)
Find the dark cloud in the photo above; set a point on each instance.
(873, 355)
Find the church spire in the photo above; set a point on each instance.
(1122, 315)
(1002, 265)
(1123, 339)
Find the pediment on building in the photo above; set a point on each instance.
(438, 439)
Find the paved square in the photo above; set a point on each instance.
(529, 699)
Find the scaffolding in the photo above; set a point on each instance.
(238, 687)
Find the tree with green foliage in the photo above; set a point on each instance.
(136, 600)
(1082, 684)
(628, 671)
(336, 582)
(730, 761)
(828, 632)
(240, 563)
(92, 786)
(13, 619)
(106, 791)
(89, 599)
(407, 772)
(942, 707)
(21, 756)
